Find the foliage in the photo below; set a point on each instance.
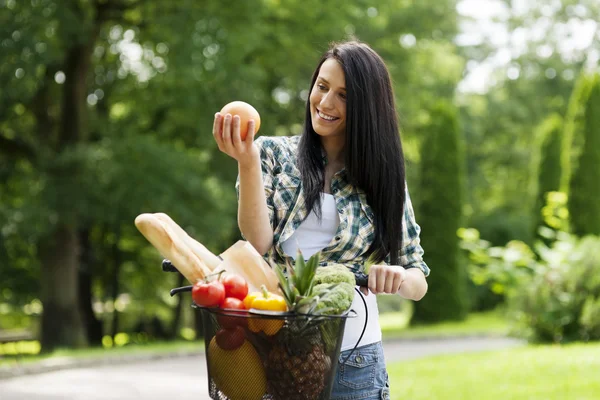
(441, 194)
(547, 164)
(106, 112)
(496, 272)
(584, 185)
(538, 56)
(553, 294)
(561, 301)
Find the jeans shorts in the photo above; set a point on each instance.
(363, 376)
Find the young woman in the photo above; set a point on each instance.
(338, 188)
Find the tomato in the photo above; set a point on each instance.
(235, 286)
(230, 339)
(228, 322)
(246, 112)
(208, 294)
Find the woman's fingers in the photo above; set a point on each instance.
(235, 133)
(218, 128)
(227, 130)
(386, 278)
(251, 132)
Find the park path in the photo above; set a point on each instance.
(184, 377)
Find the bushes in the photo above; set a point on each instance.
(552, 294)
(561, 300)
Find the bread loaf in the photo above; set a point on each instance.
(209, 259)
(171, 246)
(244, 260)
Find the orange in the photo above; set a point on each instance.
(246, 112)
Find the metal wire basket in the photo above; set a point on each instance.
(261, 355)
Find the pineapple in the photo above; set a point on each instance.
(298, 364)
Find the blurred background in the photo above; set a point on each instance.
(106, 110)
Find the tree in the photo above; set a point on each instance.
(440, 215)
(106, 112)
(584, 185)
(547, 164)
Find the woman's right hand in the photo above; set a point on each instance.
(226, 131)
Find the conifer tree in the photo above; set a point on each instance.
(584, 185)
(440, 206)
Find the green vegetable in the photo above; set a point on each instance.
(334, 284)
(334, 273)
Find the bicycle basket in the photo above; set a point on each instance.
(260, 355)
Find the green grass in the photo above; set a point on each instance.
(532, 373)
(154, 347)
(395, 325)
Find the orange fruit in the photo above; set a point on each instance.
(246, 112)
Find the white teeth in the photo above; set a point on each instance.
(325, 116)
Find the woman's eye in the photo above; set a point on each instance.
(322, 87)
(343, 96)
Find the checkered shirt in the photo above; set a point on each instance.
(355, 233)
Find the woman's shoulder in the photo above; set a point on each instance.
(279, 146)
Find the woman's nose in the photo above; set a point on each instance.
(326, 100)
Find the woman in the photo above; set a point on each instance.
(338, 188)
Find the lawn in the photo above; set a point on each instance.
(395, 325)
(9, 359)
(550, 372)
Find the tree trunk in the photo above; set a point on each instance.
(115, 287)
(62, 323)
(86, 275)
(177, 311)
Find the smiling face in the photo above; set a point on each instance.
(328, 100)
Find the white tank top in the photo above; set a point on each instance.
(312, 236)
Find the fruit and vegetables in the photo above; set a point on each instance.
(237, 373)
(230, 338)
(266, 301)
(233, 314)
(208, 293)
(246, 112)
(235, 286)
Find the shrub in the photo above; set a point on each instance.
(561, 300)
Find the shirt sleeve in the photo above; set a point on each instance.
(267, 161)
(411, 254)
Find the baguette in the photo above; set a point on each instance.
(170, 246)
(209, 259)
(243, 259)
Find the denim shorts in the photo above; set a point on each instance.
(363, 376)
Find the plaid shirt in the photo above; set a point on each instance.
(355, 233)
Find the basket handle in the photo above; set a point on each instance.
(362, 279)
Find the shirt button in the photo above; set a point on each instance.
(335, 190)
(337, 238)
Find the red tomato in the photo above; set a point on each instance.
(230, 322)
(235, 286)
(208, 294)
(230, 339)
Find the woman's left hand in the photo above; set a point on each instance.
(385, 279)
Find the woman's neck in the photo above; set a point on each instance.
(334, 150)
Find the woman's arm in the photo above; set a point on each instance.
(254, 217)
(253, 214)
(394, 279)
(409, 278)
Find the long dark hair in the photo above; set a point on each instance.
(374, 159)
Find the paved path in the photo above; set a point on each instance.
(184, 378)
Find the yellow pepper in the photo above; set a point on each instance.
(265, 300)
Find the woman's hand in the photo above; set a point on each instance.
(394, 279)
(385, 279)
(226, 131)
